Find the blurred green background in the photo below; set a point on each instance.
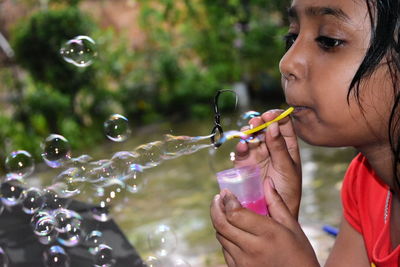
(159, 60)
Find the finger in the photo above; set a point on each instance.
(242, 218)
(228, 246)
(223, 227)
(276, 144)
(228, 258)
(276, 206)
(287, 131)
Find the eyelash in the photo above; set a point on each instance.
(326, 43)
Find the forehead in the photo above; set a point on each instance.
(351, 11)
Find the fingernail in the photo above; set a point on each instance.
(274, 129)
(217, 197)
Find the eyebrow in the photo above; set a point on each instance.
(314, 11)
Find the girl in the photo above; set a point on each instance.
(341, 73)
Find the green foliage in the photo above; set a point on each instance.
(37, 42)
(193, 49)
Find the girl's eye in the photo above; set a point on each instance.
(328, 43)
(289, 39)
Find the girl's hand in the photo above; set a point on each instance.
(277, 156)
(252, 240)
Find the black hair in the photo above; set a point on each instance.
(384, 45)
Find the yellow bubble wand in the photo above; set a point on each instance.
(260, 127)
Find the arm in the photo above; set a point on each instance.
(349, 249)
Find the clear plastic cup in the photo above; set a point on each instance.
(246, 184)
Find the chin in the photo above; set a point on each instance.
(314, 137)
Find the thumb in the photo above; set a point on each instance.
(276, 206)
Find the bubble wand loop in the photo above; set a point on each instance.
(250, 131)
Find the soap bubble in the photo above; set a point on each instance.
(20, 163)
(52, 200)
(4, 262)
(68, 227)
(37, 216)
(45, 225)
(32, 200)
(104, 256)
(79, 51)
(117, 128)
(72, 178)
(245, 117)
(134, 180)
(149, 155)
(93, 240)
(11, 192)
(122, 162)
(56, 256)
(56, 150)
(162, 241)
(100, 171)
(110, 191)
(101, 213)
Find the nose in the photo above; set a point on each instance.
(293, 65)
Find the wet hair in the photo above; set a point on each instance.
(384, 44)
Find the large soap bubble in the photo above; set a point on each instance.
(117, 128)
(20, 163)
(79, 51)
(56, 150)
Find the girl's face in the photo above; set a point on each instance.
(327, 41)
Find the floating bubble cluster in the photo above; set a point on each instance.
(79, 51)
(103, 183)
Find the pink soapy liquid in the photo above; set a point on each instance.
(259, 206)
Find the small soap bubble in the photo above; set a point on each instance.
(4, 262)
(73, 179)
(48, 239)
(32, 200)
(117, 128)
(149, 155)
(79, 51)
(100, 172)
(245, 117)
(162, 240)
(56, 256)
(134, 180)
(11, 192)
(104, 256)
(93, 240)
(101, 213)
(66, 219)
(20, 163)
(37, 216)
(56, 150)
(52, 200)
(45, 226)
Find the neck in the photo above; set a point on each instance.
(380, 158)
